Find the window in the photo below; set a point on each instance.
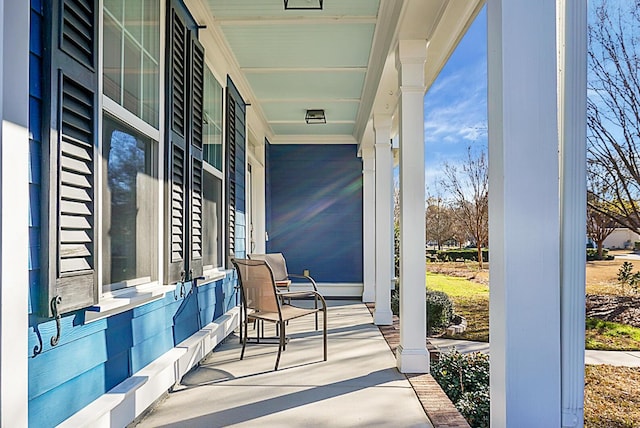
(131, 56)
(212, 237)
(212, 121)
(118, 243)
(129, 207)
(211, 221)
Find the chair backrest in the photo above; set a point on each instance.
(276, 262)
(258, 286)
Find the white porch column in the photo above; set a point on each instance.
(384, 227)
(572, 32)
(412, 355)
(14, 212)
(369, 223)
(524, 224)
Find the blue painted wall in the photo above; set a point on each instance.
(92, 358)
(314, 209)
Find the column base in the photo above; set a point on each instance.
(369, 296)
(382, 317)
(412, 360)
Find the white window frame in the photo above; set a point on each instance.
(219, 271)
(113, 302)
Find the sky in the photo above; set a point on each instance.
(455, 107)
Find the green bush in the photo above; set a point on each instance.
(592, 254)
(475, 408)
(636, 246)
(465, 380)
(470, 254)
(439, 311)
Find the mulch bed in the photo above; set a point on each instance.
(620, 309)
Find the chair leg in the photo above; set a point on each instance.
(280, 346)
(324, 319)
(316, 307)
(244, 336)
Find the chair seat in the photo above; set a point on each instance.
(288, 313)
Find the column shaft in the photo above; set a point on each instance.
(524, 225)
(412, 355)
(384, 229)
(369, 224)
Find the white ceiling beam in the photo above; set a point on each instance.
(259, 70)
(302, 122)
(313, 139)
(383, 38)
(298, 20)
(308, 100)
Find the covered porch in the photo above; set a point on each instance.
(368, 65)
(358, 385)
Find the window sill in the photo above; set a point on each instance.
(212, 275)
(125, 299)
(119, 301)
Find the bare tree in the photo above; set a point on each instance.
(439, 220)
(469, 188)
(613, 112)
(599, 227)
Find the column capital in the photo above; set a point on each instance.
(410, 58)
(381, 122)
(411, 52)
(367, 152)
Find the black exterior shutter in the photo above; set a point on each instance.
(69, 238)
(184, 148)
(235, 168)
(176, 154)
(196, 131)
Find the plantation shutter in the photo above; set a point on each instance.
(68, 161)
(196, 128)
(177, 153)
(235, 168)
(184, 156)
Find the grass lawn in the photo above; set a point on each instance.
(611, 393)
(611, 396)
(611, 336)
(470, 299)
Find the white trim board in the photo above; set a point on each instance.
(130, 398)
(333, 289)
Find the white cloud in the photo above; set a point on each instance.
(456, 107)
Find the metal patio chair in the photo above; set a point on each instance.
(261, 301)
(278, 265)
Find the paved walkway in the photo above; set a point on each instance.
(359, 385)
(614, 358)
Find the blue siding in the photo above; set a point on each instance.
(92, 358)
(315, 206)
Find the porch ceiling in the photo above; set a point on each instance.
(333, 59)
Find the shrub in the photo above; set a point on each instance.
(470, 254)
(439, 311)
(465, 380)
(475, 408)
(627, 277)
(592, 254)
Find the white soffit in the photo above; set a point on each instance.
(297, 60)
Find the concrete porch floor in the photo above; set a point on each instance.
(359, 385)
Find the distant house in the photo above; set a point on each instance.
(621, 238)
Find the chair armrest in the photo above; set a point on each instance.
(307, 277)
(314, 294)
